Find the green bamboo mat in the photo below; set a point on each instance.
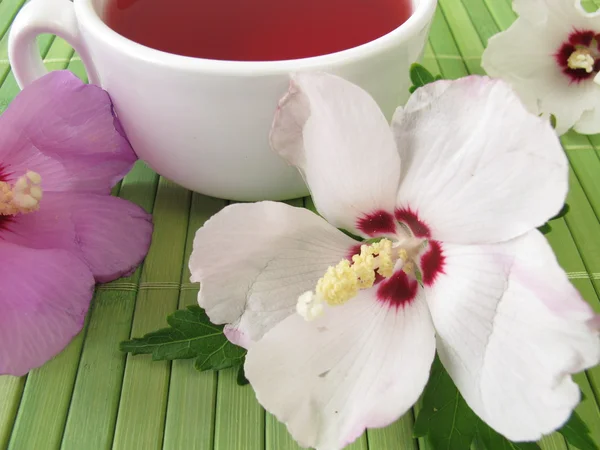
(92, 397)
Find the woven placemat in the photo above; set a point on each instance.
(92, 397)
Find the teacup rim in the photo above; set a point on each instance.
(412, 26)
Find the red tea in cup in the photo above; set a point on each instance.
(255, 30)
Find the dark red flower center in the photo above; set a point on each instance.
(377, 223)
(3, 173)
(579, 56)
(399, 290)
(410, 219)
(413, 235)
(432, 263)
(4, 220)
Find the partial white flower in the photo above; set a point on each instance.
(341, 336)
(551, 57)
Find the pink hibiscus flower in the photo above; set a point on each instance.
(62, 150)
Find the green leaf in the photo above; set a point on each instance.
(373, 240)
(563, 212)
(551, 119)
(241, 377)
(577, 433)
(494, 441)
(419, 276)
(449, 423)
(445, 417)
(353, 236)
(190, 335)
(545, 229)
(420, 76)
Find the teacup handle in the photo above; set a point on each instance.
(35, 18)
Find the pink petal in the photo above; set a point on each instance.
(68, 133)
(254, 260)
(44, 296)
(477, 167)
(511, 331)
(339, 139)
(361, 365)
(110, 234)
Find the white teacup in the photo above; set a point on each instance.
(205, 123)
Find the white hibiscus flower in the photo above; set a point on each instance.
(341, 337)
(551, 57)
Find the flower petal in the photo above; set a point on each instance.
(44, 296)
(511, 330)
(571, 104)
(361, 365)
(67, 132)
(254, 260)
(532, 69)
(589, 123)
(339, 139)
(110, 234)
(477, 167)
(561, 13)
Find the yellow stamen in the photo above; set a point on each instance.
(581, 59)
(384, 260)
(342, 282)
(338, 285)
(364, 267)
(23, 197)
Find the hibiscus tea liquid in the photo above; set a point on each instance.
(255, 30)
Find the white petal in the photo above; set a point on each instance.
(254, 260)
(530, 69)
(571, 104)
(361, 365)
(339, 139)
(477, 167)
(561, 13)
(511, 330)
(523, 56)
(589, 123)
